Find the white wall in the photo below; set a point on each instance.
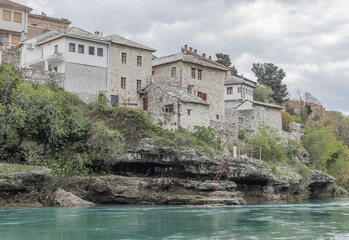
(11, 25)
(85, 58)
(236, 95)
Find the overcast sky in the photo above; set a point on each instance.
(309, 39)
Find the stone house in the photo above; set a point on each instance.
(40, 23)
(129, 70)
(174, 107)
(13, 23)
(80, 55)
(202, 77)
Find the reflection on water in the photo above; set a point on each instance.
(314, 220)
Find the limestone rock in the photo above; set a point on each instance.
(67, 199)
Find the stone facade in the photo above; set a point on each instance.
(171, 113)
(227, 132)
(250, 115)
(42, 77)
(136, 77)
(48, 23)
(211, 83)
(10, 56)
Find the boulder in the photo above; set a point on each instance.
(67, 199)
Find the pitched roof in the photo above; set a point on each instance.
(75, 33)
(180, 94)
(191, 58)
(236, 79)
(270, 105)
(14, 4)
(124, 41)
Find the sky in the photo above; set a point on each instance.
(308, 39)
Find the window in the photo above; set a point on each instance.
(123, 82)
(91, 50)
(56, 49)
(239, 90)
(3, 37)
(145, 104)
(199, 94)
(139, 61)
(217, 116)
(229, 90)
(81, 49)
(173, 71)
(139, 84)
(114, 99)
(240, 120)
(152, 73)
(71, 47)
(188, 111)
(56, 69)
(199, 74)
(100, 52)
(193, 73)
(168, 108)
(17, 17)
(16, 39)
(6, 15)
(204, 96)
(123, 57)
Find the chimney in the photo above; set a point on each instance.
(190, 49)
(195, 51)
(210, 57)
(186, 47)
(204, 55)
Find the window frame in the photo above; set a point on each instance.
(199, 74)
(139, 84)
(168, 108)
(100, 52)
(193, 73)
(4, 37)
(89, 50)
(83, 48)
(173, 71)
(229, 90)
(14, 17)
(139, 61)
(123, 57)
(19, 39)
(70, 47)
(239, 89)
(123, 82)
(3, 15)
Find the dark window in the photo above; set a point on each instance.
(189, 110)
(91, 50)
(229, 90)
(173, 72)
(193, 73)
(123, 57)
(199, 94)
(204, 96)
(56, 49)
(199, 74)
(114, 100)
(71, 47)
(100, 52)
(217, 116)
(139, 84)
(168, 108)
(145, 104)
(239, 90)
(240, 120)
(81, 48)
(123, 82)
(139, 60)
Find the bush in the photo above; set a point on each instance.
(287, 119)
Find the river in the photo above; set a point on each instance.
(326, 219)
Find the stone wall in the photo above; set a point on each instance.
(10, 56)
(162, 74)
(42, 77)
(227, 132)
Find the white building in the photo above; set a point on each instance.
(13, 23)
(238, 89)
(81, 55)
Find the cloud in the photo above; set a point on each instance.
(308, 39)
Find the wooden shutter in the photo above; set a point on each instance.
(145, 104)
(6, 15)
(16, 39)
(17, 17)
(204, 96)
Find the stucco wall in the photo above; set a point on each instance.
(238, 95)
(85, 81)
(11, 25)
(199, 115)
(116, 70)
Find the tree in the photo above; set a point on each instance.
(309, 98)
(272, 76)
(224, 59)
(262, 93)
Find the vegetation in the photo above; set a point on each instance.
(272, 76)
(287, 119)
(224, 59)
(262, 93)
(45, 126)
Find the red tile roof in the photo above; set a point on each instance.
(14, 4)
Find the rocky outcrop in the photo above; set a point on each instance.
(63, 198)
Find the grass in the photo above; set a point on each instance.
(15, 168)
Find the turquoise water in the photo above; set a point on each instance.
(313, 220)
